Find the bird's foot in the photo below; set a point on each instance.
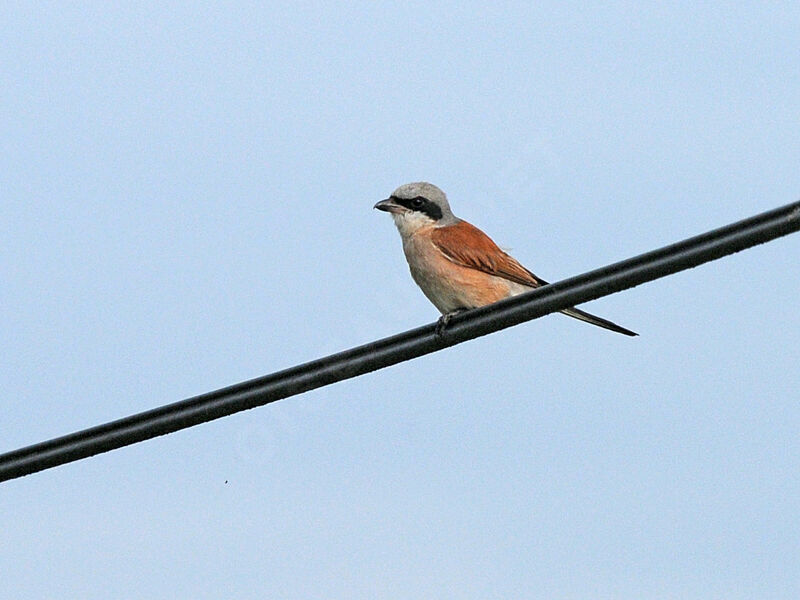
(441, 324)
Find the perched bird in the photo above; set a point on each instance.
(456, 265)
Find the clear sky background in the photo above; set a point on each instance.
(187, 197)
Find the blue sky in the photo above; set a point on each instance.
(187, 201)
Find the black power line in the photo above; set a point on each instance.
(405, 346)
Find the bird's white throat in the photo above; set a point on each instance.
(408, 223)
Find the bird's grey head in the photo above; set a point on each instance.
(416, 205)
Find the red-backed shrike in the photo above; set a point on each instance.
(458, 266)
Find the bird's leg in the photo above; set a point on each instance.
(441, 324)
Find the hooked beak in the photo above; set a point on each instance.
(389, 206)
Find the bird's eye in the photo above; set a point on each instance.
(418, 202)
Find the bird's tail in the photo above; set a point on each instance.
(599, 321)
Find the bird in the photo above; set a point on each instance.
(457, 266)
